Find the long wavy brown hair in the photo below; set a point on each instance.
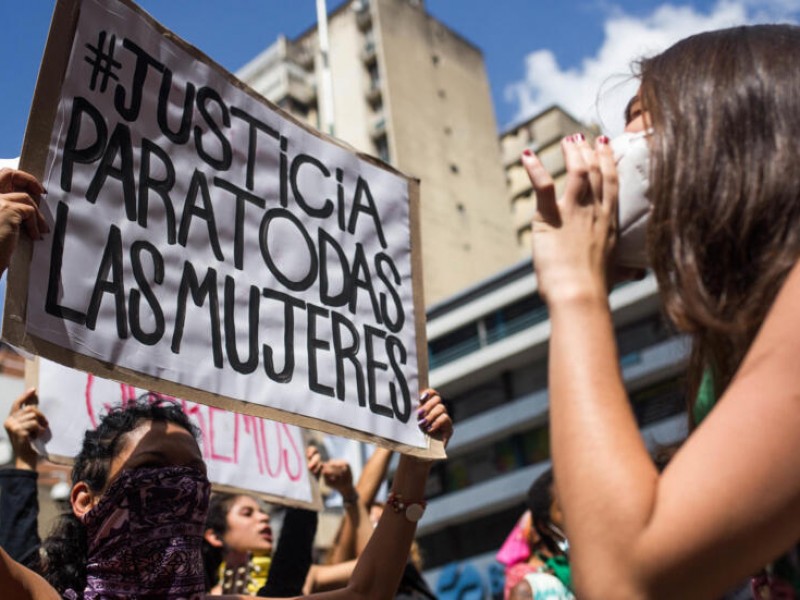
(725, 185)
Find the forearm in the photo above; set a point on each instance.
(606, 480)
(344, 546)
(373, 475)
(19, 583)
(380, 567)
(329, 577)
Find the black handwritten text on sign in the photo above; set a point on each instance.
(200, 236)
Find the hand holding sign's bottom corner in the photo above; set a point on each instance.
(434, 419)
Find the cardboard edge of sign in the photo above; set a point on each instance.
(33, 160)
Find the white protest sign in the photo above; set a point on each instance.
(241, 452)
(206, 245)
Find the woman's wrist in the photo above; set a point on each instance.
(577, 295)
(350, 497)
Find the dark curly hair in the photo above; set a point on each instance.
(65, 549)
(539, 501)
(217, 521)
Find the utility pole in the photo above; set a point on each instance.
(326, 93)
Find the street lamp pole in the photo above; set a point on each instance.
(326, 93)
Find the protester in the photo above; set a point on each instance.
(139, 501)
(238, 542)
(719, 112)
(546, 573)
(19, 504)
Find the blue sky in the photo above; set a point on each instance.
(537, 52)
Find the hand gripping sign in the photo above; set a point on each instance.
(206, 245)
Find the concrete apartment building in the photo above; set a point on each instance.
(413, 92)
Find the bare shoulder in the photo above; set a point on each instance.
(20, 583)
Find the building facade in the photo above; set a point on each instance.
(413, 92)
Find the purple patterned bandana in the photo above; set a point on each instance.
(145, 535)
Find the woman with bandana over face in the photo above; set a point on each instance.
(139, 500)
(719, 115)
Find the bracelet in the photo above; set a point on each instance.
(412, 509)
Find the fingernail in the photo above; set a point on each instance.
(527, 152)
(578, 137)
(603, 139)
(420, 414)
(424, 397)
(569, 138)
(423, 423)
(428, 427)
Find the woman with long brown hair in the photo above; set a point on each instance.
(720, 113)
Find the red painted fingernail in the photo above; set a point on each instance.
(579, 137)
(527, 152)
(603, 139)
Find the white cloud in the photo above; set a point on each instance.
(597, 90)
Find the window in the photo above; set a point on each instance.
(374, 76)
(382, 148)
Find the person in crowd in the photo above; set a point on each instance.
(719, 114)
(238, 543)
(139, 501)
(19, 503)
(546, 573)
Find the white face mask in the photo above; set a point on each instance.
(632, 156)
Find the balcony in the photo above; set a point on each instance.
(369, 53)
(378, 128)
(373, 95)
(510, 488)
(288, 79)
(363, 15)
(521, 338)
